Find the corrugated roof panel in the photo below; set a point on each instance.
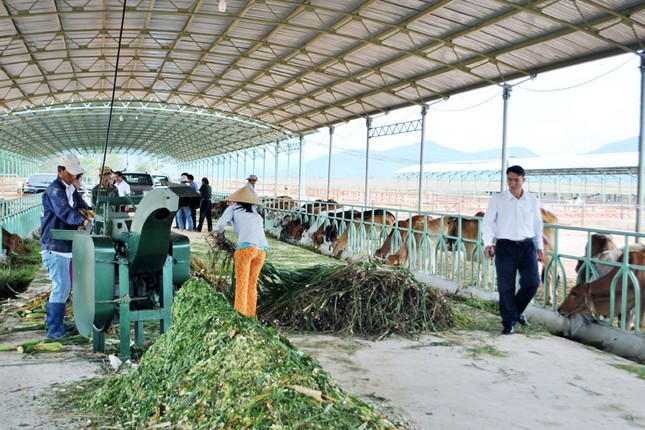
(572, 11)
(370, 56)
(620, 32)
(294, 64)
(334, 45)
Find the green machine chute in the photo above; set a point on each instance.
(128, 266)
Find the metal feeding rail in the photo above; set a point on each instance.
(457, 256)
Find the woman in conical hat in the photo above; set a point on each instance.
(251, 248)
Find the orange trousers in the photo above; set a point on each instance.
(248, 263)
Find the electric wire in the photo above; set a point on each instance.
(109, 127)
(580, 84)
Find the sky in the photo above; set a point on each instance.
(569, 111)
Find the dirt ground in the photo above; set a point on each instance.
(459, 380)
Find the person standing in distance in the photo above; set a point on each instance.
(104, 188)
(206, 205)
(122, 186)
(193, 211)
(250, 184)
(513, 218)
(250, 250)
(61, 204)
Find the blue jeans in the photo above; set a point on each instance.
(183, 216)
(58, 268)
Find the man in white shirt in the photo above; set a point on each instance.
(121, 185)
(513, 218)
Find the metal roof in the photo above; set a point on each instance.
(194, 83)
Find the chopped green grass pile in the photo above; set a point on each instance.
(217, 369)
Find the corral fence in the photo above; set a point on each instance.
(459, 257)
(21, 215)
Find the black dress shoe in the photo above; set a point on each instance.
(521, 318)
(508, 329)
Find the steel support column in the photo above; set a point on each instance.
(331, 139)
(424, 111)
(264, 166)
(275, 172)
(368, 124)
(301, 171)
(641, 151)
(505, 95)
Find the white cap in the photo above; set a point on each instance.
(71, 164)
(183, 178)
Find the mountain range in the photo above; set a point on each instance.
(383, 164)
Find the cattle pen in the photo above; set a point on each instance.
(228, 91)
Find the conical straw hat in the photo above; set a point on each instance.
(244, 195)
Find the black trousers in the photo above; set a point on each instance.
(513, 257)
(205, 212)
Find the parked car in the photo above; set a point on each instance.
(140, 183)
(161, 180)
(38, 182)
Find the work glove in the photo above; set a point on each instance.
(87, 213)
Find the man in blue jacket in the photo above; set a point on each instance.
(61, 204)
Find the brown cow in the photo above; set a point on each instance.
(295, 229)
(320, 205)
(13, 243)
(614, 255)
(599, 244)
(548, 238)
(469, 232)
(432, 227)
(374, 217)
(595, 296)
(419, 224)
(218, 208)
(323, 232)
(402, 227)
(280, 203)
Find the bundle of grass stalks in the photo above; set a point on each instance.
(17, 271)
(365, 299)
(222, 263)
(217, 369)
(360, 298)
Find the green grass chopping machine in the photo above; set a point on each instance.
(128, 265)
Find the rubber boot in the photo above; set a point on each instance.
(70, 328)
(55, 314)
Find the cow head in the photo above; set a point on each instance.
(393, 260)
(13, 243)
(380, 256)
(577, 302)
(599, 244)
(452, 225)
(331, 234)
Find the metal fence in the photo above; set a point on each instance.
(460, 256)
(21, 215)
